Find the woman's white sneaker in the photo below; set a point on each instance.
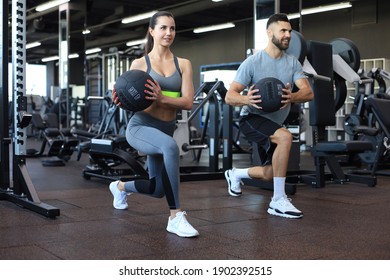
(120, 197)
(180, 226)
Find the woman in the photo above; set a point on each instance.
(150, 131)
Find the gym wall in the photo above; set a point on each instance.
(225, 46)
(230, 45)
(366, 24)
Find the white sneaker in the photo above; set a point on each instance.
(234, 185)
(120, 197)
(180, 226)
(284, 208)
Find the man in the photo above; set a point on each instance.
(265, 129)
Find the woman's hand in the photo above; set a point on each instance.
(154, 93)
(115, 98)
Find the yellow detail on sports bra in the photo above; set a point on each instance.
(173, 94)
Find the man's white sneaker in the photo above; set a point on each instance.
(284, 208)
(234, 187)
(180, 226)
(120, 197)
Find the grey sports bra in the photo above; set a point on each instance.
(171, 86)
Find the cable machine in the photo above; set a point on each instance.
(102, 70)
(20, 190)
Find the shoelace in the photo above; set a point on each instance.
(181, 214)
(287, 203)
(183, 218)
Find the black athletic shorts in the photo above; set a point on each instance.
(258, 129)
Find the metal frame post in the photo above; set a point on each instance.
(63, 73)
(22, 192)
(4, 125)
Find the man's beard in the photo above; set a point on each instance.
(279, 44)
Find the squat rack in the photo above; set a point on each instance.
(19, 189)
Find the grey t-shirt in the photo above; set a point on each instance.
(260, 65)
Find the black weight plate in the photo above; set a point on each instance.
(341, 91)
(351, 121)
(348, 51)
(369, 157)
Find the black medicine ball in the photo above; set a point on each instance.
(130, 88)
(271, 93)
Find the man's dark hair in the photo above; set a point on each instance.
(276, 18)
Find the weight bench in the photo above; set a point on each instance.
(61, 143)
(379, 107)
(114, 159)
(322, 113)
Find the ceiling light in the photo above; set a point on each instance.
(56, 57)
(33, 45)
(320, 9)
(86, 31)
(217, 0)
(50, 58)
(95, 50)
(294, 15)
(214, 27)
(50, 4)
(138, 17)
(73, 55)
(136, 42)
(326, 8)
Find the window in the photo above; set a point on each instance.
(35, 80)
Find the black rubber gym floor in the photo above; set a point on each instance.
(340, 222)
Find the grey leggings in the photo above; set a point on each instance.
(153, 137)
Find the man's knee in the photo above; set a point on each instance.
(283, 136)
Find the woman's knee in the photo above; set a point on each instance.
(171, 149)
(158, 194)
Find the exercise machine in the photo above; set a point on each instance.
(61, 143)
(217, 125)
(323, 57)
(114, 159)
(381, 157)
(372, 127)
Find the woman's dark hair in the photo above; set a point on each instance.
(276, 18)
(152, 24)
